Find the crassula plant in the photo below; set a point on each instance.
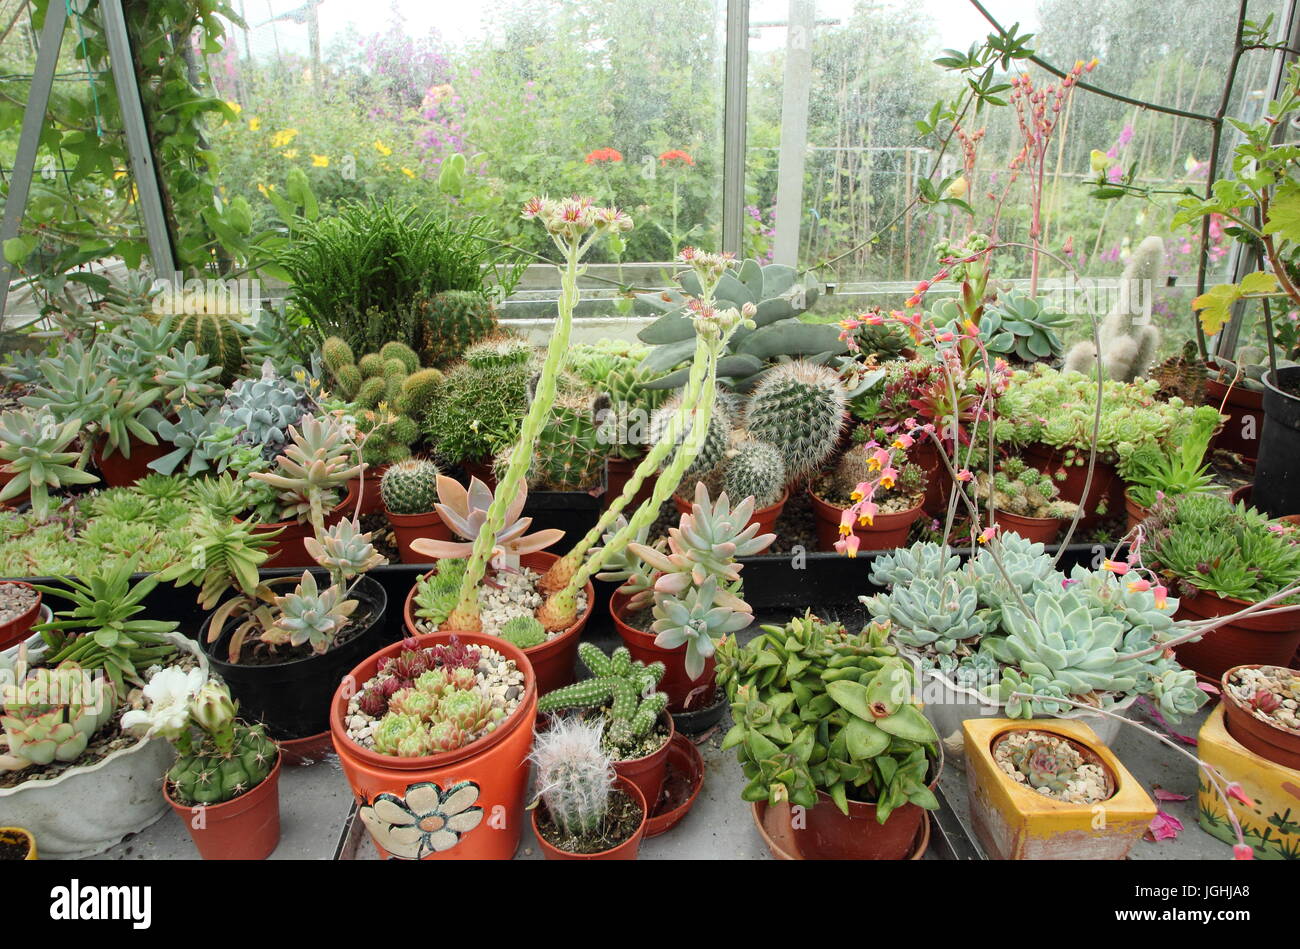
(817, 708)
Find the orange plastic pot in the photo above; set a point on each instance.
(1277, 743)
(764, 517)
(119, 471)
(648, 772)
(682, 783)
(16, 630)
(246, 828)
(1106, 484)
(886, 532)
(553, 660)
(288, 549)
(1245, 425)
(1038, 530)
(409, 527)
(682, 690)
(466, 804)
(1267, 639)
(617, 473)
(627, 850)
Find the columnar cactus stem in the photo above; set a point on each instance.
(574, 225)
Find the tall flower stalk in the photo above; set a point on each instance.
(713, 330)
(574, 224)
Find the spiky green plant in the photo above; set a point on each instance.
(623, 686)
(410, 486)
(800, 408)
(452, 321)
(574, 776)
(32, 446)
(757, 470)
(524, 631)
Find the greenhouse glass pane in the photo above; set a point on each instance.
(620, 101)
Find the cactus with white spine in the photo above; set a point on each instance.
(756, 470)
(621, 683)
(798, 407)
(574, 775)
(1128, 338)
(410, 487)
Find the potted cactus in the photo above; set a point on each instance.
(899, 499)
(433, 734)
(587, 810)
(409, 492)
(1007, 621)
(676, 602)
(827, 721)
(282, 644)
(1024, 501)
(621, 695)
(225, 782)
(1035, 792)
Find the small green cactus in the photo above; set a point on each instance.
(451, 322)
(716, 441)
(211, 775)
(410, 486)
(756, 470)
(622, 685)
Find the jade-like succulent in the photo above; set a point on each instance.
(817, 708)
(625, 686)
(52, 713)
(32, 449)
(465, 512)
(310, 615)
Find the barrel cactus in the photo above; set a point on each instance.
(410, 486)
(450, 322)
(716, 441)
(218, 336)
(799, 407)
(756, 470)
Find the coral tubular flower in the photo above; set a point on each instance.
(1161, 596)
(1242, 852)
(1139, 586)
(848, 545)
(987, 533)
(1114, 566)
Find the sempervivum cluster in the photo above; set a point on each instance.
(441, 711)
(453, 660)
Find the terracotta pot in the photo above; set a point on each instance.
(481, 470)
(288, 549)
(553, 660)
(1136, 512)
(299, 752)
(775, 827)
(647, 772)
(1039, 530)
(627, 850)
(467, 804)
(887, 532)
(937, 481)
(764, 517)
(679, 686)
(16, 836)
(368, 492)
(1270, 639)
(1242, 494)
(16, 630)
(617, 473)
(121, 472)
(244, 828)
(682, 783)
(1106, 483)
(5, 477)
(1245, 410)
(409, 527)
(1277, 743)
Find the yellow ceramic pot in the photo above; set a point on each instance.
(1013, 822)
(16, 835)
(1272, 824)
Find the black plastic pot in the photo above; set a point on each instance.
(574, 512)
(293, 699)
(701, 719)
(1277, 472)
